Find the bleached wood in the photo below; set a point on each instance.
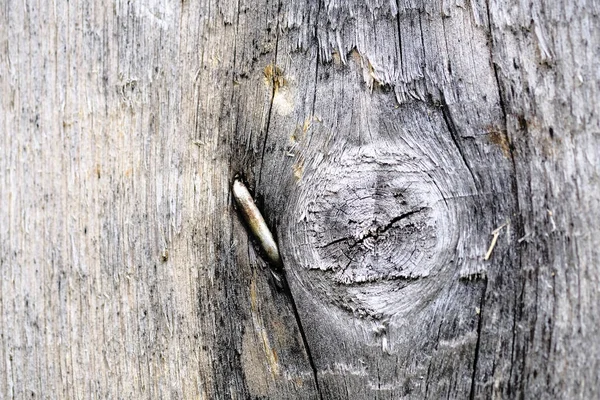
(429, 170)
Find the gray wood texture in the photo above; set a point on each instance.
(430, 170)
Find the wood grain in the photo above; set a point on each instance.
(384, 143)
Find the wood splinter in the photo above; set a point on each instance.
(496, 233)
(258, 227)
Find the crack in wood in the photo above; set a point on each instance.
(455, 137)
(375, 234)
(478, 343)
(288, 292)
(372, 233)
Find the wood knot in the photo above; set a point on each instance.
(374, 222)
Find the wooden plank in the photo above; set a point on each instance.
(429, 170)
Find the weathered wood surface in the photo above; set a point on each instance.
(385, 143)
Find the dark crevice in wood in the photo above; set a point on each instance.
(314, 100)
(455, 136)
(478, 344)
(372, 234)
(233, 89)
(385, 228)
(551, 326)
(398, 218)
(399, 37)
(427, 377)
(286, 289)
(318, 58)
(403, 278)
(448, 64)
(233, 62)
(273, 90)
(335, 241)
(422, 43)
(518, 311)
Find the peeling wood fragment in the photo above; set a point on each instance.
(496, 233)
